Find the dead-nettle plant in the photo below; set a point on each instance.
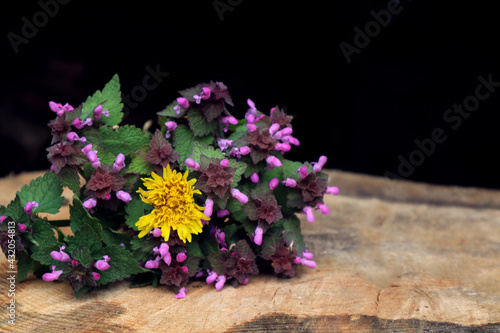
(203, 196)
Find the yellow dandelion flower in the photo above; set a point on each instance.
(174, 206)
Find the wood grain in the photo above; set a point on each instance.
(391, 257)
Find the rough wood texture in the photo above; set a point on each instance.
(391, 256)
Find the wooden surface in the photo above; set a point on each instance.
(391, 257)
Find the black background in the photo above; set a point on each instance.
(363, 115)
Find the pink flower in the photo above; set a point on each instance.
(227, 121)
(307, 255)
(274, 128)
(164, 253)
(222, 213)
(291, 140)
(87, 149)
(96, 276)
(182, 293)
(119, 162)
(22, 227)
(2, 218)
(309, 213)
(224, 163)
(180, 257)
(212, 276)
(183, 102)
(171, 127)
(209, 206)
(190, 163)
(72, 136)
(28, 208)
(254, 177)
(235, 193)
(78, 123)
(320, 164)
(258, 236)
(308, 263)
(289, 182)
(152, 264)
(323, 208)
(90, 203)
(273, 183)
(205, 94)
(102, 264)
(156, 232)
(224, 143)
(54, 275)
(60, 255)
(302, 171)
(272, 161)
(59, 108)
(252, 109)
(332, 190)
(221, 280)
(124, 196)
(283, 147)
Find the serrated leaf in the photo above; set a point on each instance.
(113, 142)
(232, 234)
(217, 261)
(46, 191)
(234, 207)
(193, 247)
(43, 234)
(140, 166)
(86, 234)
(121, 265)
(269, 245)
(239, 130)
(42, 255)
(240, 170)
(290, 169)
(200, 148)
(83, 255)
(199, 124)
(136, 209)
(113, 237)
(110, 98)
(242, 249)
(81, 291)
(184, 141)
(16, 211)
(24, 265)
(170, 112)
(293, 234)
(70, 178)
(79, 216)
(133, 136)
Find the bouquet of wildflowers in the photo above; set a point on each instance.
(204, 196)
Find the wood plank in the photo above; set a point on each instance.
(417, 258)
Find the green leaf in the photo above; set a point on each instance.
(242, 249)
(239, 131)
(24, 265)
(290, 169)
(42, 254)
(269, 245)
(232, 234)
(86, 234)
(136, 209)
(70, 178)
(134, 136)
(121, 265)
(234, 207)
(170, 112)
(199, 124)
(139, 165)
(145, 279)
(16, 211)
(184, 141)
(110, 98)
(113, 237)
(82, 290)
(43, 234)
(193, 247)
(79, 216)
(46, 191)
(293, 234)
(240, 169)
(113, 142)
(83, 255)
(200, 148)
(217, 261)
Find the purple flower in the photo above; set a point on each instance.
(224, 163)
(320, 164)
(309, 213)
(72, 136)
(98, 112)
(224, 143)
(302, 171)
(323, 208)
(190, 163)
(22, 227)
(28, 208)
(171, 126)
(156, 232)
(78, 123)
(182, 293)
(235, 193)
(332, 190)
(152, 264)
(102, 264)
(119, 163)
(221, 280)
(222, 213)
(273, 183)
(209, 206)
(258, 235)
(180, 257)
(124, 196)
(54, 275)
(212, 276)
(90, 203)
(59, 108)
(96, 276)
(289, 182)
(272, 161)
(60, 255)
(254, 177)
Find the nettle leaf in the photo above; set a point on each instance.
(139, 165)
(113, 142)
(94, 136)
(86, 234)
(193, 264)
(269, 245)
(199, 124)
(184, 141)
(193, 247)
(135, 209)
(16, 211)
(46, 191)
(242, 249)
(83, 255)
(79, 216)
(251, 168)
(217, 260)
(170, 112)
(238, 130)
(42, 254)
(293, 234)
(24, 265)
(43, 234)
(110, 98)
(112, 237)
(232, 233)
(290, 169)
(235, 208)
(240, 170)
(70, 178)
(200, 148)
(133, 136)
(121, 265)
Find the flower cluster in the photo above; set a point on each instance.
(204, 196)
